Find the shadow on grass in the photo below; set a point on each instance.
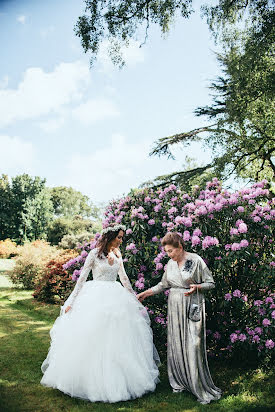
(25, 326)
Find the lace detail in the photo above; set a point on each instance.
(102, 270)
(89, 262)
(124, 278)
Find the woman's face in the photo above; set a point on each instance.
(116, 242)
(174, 253)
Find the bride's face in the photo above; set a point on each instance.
(116, 242)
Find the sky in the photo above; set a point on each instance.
(93, 128)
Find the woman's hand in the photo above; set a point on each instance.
(68, 308)
(143, 295)
(193, 288)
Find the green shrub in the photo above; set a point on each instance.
(73, 241)
(69, 226)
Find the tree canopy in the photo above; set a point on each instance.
(68, 202)
(118, 21)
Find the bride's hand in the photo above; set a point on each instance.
(143, 295)
(67, 309)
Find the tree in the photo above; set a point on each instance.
(118, 21)
(62, 226)
(242, 135)
(5, 208)
(68, 202)
(26, 208)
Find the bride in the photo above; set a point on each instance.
(102, 344)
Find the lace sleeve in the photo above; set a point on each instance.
(124, 278)
(82, 279)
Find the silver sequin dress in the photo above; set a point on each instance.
(186, 352)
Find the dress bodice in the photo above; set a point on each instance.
(103, 270)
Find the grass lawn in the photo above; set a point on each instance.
(24, 334)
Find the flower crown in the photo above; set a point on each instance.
(113, 229)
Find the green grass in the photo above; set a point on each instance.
(24, 334)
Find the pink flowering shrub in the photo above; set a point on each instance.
(231, 231)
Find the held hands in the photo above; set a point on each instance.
(193, 288)
(144, 295)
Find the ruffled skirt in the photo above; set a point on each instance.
(102, 349)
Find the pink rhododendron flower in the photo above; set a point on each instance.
(233, 337)
(235, 246)
(228, 296)
(266, 322)
(217, 335)
(151, 222)
(186, 236)
(237, 293)
(256, 339)
(234, 231)
(240, 209)
(269, 344)
(197, 232)
(157, 208)
(239, 221)
(195, 240)
(242, 337)
(258, 330)
(244, 243)
(242, 228)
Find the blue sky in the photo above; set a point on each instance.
(93, 129)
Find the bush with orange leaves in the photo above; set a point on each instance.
(55, 285)
(8, 249)
(30, 263)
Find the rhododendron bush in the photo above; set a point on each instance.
(232, 232)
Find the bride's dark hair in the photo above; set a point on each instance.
(105, 239)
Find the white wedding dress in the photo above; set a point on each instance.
(102, 349)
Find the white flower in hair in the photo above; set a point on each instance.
(113, 229)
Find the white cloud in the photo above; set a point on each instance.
(132, 55)
(4, 82)
(41, 93)
(16, 155)
(94, 110)
(52, 125)
(111, 171)
(47, 31)
(21, 19)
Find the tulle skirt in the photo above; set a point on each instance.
(102, 349)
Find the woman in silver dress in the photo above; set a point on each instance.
(188, 278)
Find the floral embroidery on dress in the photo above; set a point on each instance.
(188, 265)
